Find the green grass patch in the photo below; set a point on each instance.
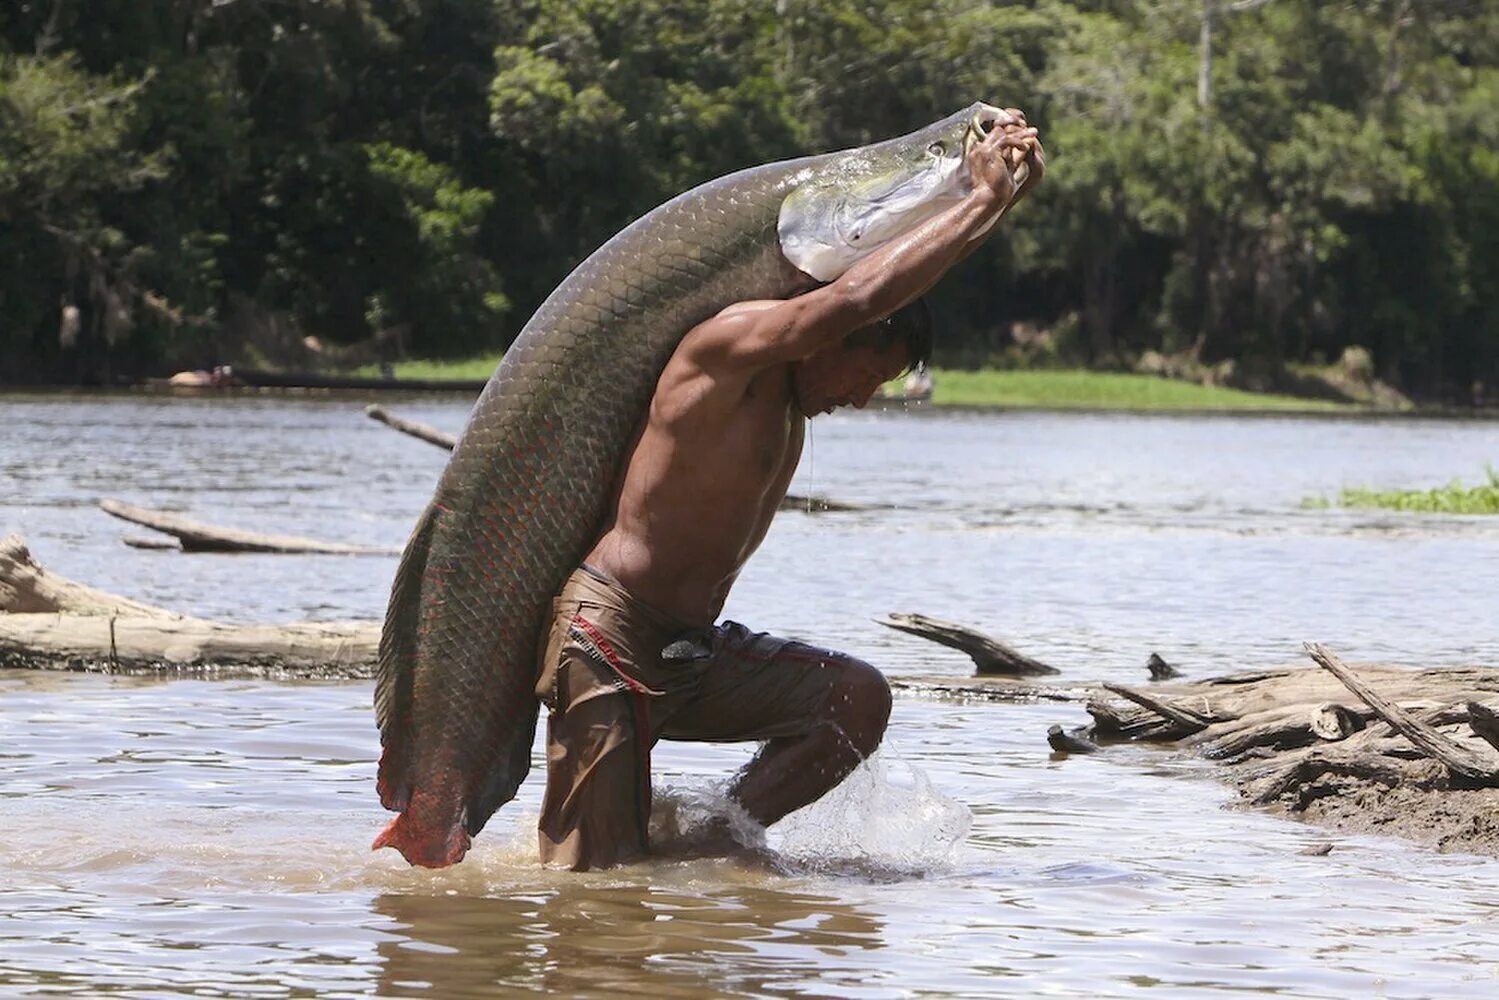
(1454, 498)
(1080, 389)
(468, 368)
(1066, 389)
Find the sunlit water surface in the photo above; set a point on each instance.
(210, 838)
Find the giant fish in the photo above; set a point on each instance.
(527, 487)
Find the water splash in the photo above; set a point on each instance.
(876, 823)
(872, 825)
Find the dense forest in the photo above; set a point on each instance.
(193, 182)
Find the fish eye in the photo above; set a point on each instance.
(937, 148)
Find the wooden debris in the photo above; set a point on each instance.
(192, 645)
(198, 537)
(53, 623)
(1075, 741)
(431, 435)
(1159, 669)
(142, 542)
(1290, 740)
(1457, 759)
(1484, 722)
(1186, 721)
(990, 656)
(25, 587)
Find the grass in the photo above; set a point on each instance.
(1454, 498)
(1080, 389)
(469, 368)
(1067, 389)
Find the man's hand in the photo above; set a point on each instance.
(1012, 148)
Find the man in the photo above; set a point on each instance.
(633, 653)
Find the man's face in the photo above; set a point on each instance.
(845, 376)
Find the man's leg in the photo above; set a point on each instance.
(597, 802)
(821, 713)
(794, 771)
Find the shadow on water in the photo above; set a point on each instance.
(584, 940)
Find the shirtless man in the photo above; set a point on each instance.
(633, 654)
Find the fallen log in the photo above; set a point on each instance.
(121, 644)
(431, 435)
(1457, 758)
(25, 587)
(990, 656)
(1410, 761)
(1159, 669)
(52, 623)
(1075, 741)
(1484, 722)
(155, 544)
(195, 536)
(1184, 720)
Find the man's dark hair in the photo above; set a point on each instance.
(910, 325)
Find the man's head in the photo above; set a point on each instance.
(848, 373)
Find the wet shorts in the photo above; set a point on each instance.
(618, 674)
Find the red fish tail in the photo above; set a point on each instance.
(428, 841)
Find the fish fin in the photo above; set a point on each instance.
(508, 771)
(419, 846)
(397, 667)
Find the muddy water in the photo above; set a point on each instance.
(209, 838)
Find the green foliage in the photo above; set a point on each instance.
(446, 286)
(1077, 389)
(1454, 498)
(203, 179)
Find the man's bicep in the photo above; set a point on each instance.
(760, 335)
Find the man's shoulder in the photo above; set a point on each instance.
(730, 320)
(705, 374)
(710, 346)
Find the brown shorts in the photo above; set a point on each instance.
(618, 674)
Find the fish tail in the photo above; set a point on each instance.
(428, 842)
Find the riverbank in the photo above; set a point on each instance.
(1065, 389)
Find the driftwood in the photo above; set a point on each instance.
(1159, 669)
(1075, 741)
(25, 587)
(1457, 758)
(195, 536)
(159, 544)
(431, 435)
(805, 504)
(49, 622)
(1408, 757)
(1484, 722)
(990, 656)
(1412, 753)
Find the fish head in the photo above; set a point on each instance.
(854, 202)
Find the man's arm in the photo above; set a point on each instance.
(755, 336)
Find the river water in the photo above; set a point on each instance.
(210, 838)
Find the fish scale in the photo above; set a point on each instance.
(527, 487)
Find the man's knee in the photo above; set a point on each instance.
(860, 704)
